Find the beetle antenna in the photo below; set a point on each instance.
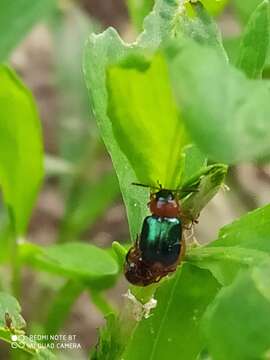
(145, 185)
(142, 185)
(159, 185)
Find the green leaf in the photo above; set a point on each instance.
(21, 154)
(242, 244)
(160, 25)
(206, 183)
(225, 262)
(87, 263)
(250, 231)
(174, 323)
(9, 307)
(102, 51)
(109, 345)
(11, 329)
(237, 323)
(172, 326)
(16, 19)
(255, 42)
(229, 122)
(133, 103)
(144, 116)
(108, 49)
(101, 303)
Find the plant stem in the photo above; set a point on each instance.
(101, 302)
(16, 270)
(14, 257)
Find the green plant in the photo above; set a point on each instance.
(173, 107)
(153, 101)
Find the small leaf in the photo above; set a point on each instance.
(229, 123)
(242, 244)
(225, 262)
(206, 184)
(110, 340)
(120, 252)
(21, 154)
(16, 19)
(255, 42)
(237, 323)
(87, 263)
(175, 322)
(11, 329)
(10, 307)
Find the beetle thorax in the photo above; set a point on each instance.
(164, 204)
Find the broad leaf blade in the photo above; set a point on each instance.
(145, 121)
(241, 245)
(21, 153)
(74, 260)
(225, 262)
(107, 62)
(250, 231)
(102, 51)
(174, 324)
(233, 114)
(105, 50)
(9, 307)
(237, 324)
(255, 42)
